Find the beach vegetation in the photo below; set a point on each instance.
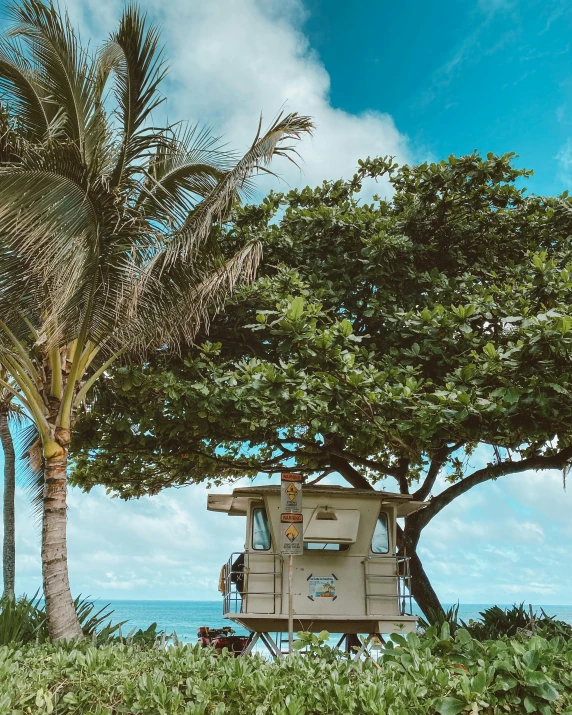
(435, 674)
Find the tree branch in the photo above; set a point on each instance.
(369, 463)
(349, 473)
(434, 468)
(318, 479)
(491, 471)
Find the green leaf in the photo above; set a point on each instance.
(490, 350)
(547, 691)
(531, 658)
(467, 372)
(535, 677)
(479, 682)
(449, 706)
(463, 636)
(296, 308)
(529, 704)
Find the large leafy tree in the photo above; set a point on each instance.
(107, 245)
(383, 340)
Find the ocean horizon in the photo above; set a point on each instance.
(185, 617)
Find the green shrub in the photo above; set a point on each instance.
(496, 622)
(436, 674)
(21, 620)
(437, 618)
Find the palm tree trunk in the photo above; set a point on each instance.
(61, 615)
(9, 547)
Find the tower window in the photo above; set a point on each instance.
(260, 530)
(380, 541)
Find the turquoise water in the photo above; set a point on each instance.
(184, 617)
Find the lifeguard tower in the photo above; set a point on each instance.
(348, 579)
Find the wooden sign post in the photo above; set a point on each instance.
(292, 529)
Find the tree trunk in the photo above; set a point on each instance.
(9, 547)
(61, 615)
(421, 588)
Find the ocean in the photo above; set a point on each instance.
(185, 617)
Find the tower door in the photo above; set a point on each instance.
(263, 567)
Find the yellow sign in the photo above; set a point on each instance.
(291, 532)
(291, 491)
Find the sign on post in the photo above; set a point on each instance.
(291, 519)
(292, 532)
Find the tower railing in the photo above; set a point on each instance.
(237, 589)
(239, 573)
(400, 575)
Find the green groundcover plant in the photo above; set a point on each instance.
(435, 674)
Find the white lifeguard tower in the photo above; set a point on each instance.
(348, 579)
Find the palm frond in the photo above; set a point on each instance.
(22, 91)
(134, 56)
(171, 310)
(216, 205)
(63, 66)
(30, 474)
(108, 225)
(186, 167)
(43, 217)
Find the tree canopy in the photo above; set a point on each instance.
(383, 339)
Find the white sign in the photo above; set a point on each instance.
(292, 528)
(291, 519)
(322, 587)
(291, 493)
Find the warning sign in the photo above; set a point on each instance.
(292, 540)
(292, 528)
(291, 533)
(291, 493)
(291, 477)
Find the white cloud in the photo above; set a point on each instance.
(167, 546)
(506, 544)
(232, 60)
(524, 589)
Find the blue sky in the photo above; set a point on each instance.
(416, 80)
(457, 75)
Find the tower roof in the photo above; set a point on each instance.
(236, 504)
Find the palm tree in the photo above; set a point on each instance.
(110, 232)
(12, 414)
(9, 525)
